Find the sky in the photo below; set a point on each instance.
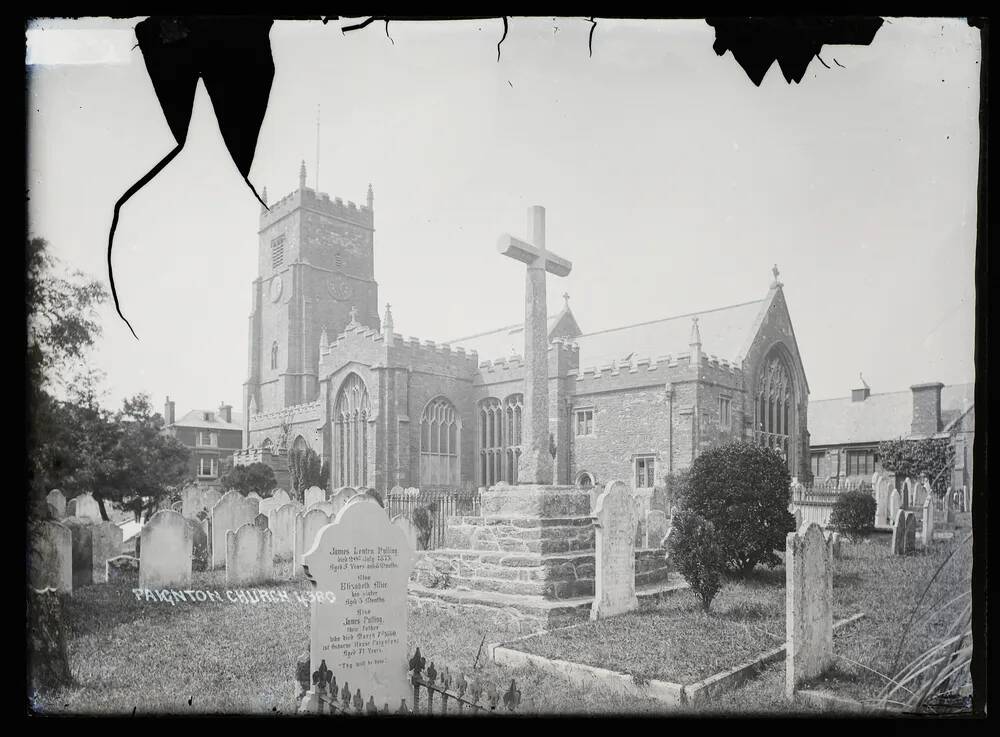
(670, 181)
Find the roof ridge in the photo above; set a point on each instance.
(497, 330)
(673, 317)
(884, 394)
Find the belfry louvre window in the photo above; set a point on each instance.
(351, 433)
(277, 252)
(500, 439)
(440, 444)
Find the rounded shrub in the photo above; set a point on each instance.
(695, 553)
(743, 490)
(854, 514)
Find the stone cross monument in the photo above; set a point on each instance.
(536, 461)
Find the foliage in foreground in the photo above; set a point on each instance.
(854, 514)
(695, 553)
(743, 490)
(257, 477)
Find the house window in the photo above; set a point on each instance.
(585, 422)
(277, 252)
(860, 462)
(644, 471)
(205, 438)
(207, 466)
(724, 420)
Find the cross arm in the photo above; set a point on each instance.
(526, 253)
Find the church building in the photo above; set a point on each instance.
(633, 403)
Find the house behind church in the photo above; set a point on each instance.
(636, 402)
(212, 436)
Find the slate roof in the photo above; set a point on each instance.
(196, 418)
(886, 416)
(724, 332)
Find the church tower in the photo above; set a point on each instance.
(315, 265)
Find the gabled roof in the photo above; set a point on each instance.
(196, 418)
(724, 331)
(886, 416)
(508, 340)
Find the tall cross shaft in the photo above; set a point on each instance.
(536, 462)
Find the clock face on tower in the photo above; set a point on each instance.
(276, 288)
(340, 288)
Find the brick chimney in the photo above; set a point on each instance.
(168, 412)
(926, 408)
(226, 412)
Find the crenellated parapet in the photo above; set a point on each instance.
(657, 369)
(321, 202)
(305, 412)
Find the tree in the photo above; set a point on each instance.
(931, 457)
(743, 490)
(256, 478)
(854, 514)
(62, 327)
(304, 470)
(695, 552)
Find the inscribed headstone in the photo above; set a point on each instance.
(341, 496)
(307, 524)
(165, 551)
(84, 507)
(283, 530)
(50, 556)
(898, 546)
(808, 606)
(363, 563)
(122, 570)
(83, 550)
(927, 522)
(261, 521)
(106, 539)
(895, 504)
(314, 494)
(409, 529)
(910, 535)
(614, 557)
(231, 513)
(249, 555)
(58, 501)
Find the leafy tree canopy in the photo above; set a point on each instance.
(931, 457)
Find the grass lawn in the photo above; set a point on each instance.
(150, 657)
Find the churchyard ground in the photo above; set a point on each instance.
(129, 656)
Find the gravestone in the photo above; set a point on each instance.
(396, 491)
(314, 494)
(657, 525)
(200, 555)
(283, 530)
(808, 606)
(595, 493)
(165, 551)
(363, 563)
(106, 544)
(898, 545)
(919, 494)
(307, 524)
(249, 555)
(910, 535)
(665, 543)
(274, 502)
(196, 498)
(341, 496)
(83, 550)
(927, 522)
(327, 507)
(409, 529)
(84, 507)
(895, 504)
(908, 493)
(949, 507)
(48, 664)
(881, 503)
(231, 513)
(614, 577)
(834, 539)
(58, 502)
(50, 556)
(261, 521)
(122, 570)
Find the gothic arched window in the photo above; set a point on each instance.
(500, 439)
(350, 429)
(274, 355)
(774, 405)
(440, 444)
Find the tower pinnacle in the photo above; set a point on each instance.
(302, 174)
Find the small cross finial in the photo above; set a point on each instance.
(774, 270)
(566, 299)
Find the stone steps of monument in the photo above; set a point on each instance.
(527, 535)
(548, 589)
